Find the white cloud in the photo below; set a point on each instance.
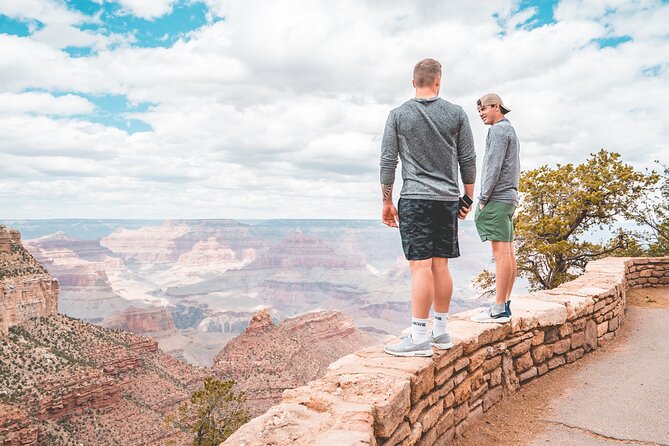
(278, 111)
(46, 11)
(60, 35)
(29, 136)
(44, 103)
(148, 9)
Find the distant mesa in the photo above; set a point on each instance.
(303, 251)
(152, 320)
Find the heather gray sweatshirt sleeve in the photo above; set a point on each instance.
(501, 164)
(466, 151)
(389, 152)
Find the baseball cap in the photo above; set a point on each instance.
(492, 99)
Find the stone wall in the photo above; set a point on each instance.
(648, 273)
(371, 398)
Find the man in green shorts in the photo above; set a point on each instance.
(498, 201)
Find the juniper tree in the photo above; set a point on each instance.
(213, 412)
(652, 211)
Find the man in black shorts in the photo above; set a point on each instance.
(433, 138)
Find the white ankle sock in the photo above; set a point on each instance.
(419, 330)
(439, 326)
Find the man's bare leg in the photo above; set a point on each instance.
(443, 284)
(422, 287)
(505, 270)
(443, 290)
(422, 295)
(513, 273)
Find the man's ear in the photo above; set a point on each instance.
(413, 83)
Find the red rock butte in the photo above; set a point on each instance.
(27, 290)
(268, 358)
(261, 321)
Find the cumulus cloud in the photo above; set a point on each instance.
(44, 103)
(278, 111)
(59, 35)
(148, 9)
(45, 11)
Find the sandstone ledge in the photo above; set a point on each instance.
(370, 398)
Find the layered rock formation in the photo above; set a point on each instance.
(152, 244)
(154, 320)
(269, 358)
(304, 251)
(82, 268)
(204, 242)
(65, 381)
(26, 288)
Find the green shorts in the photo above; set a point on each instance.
(495, 221)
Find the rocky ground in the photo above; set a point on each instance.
(76, 383)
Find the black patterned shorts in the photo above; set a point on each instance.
(429, 228)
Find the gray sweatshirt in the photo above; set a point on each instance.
(501, 164)
(432, 137)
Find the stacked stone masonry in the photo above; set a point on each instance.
(370, 398)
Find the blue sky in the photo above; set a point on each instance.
(225, 109)
(111, 19)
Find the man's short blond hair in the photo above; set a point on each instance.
(425, 72)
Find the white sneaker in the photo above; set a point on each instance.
(407, 347)
(488, 316)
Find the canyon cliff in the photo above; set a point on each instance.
(26, 288)
(64, 381)
(211, 276)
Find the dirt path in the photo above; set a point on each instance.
(532, 415)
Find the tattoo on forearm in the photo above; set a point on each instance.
(387, 192)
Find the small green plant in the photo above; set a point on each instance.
(213, 413)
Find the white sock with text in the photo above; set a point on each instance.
(419, 330)
(439, 326)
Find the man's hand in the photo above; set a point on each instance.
(389, 215)
(462, 213)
